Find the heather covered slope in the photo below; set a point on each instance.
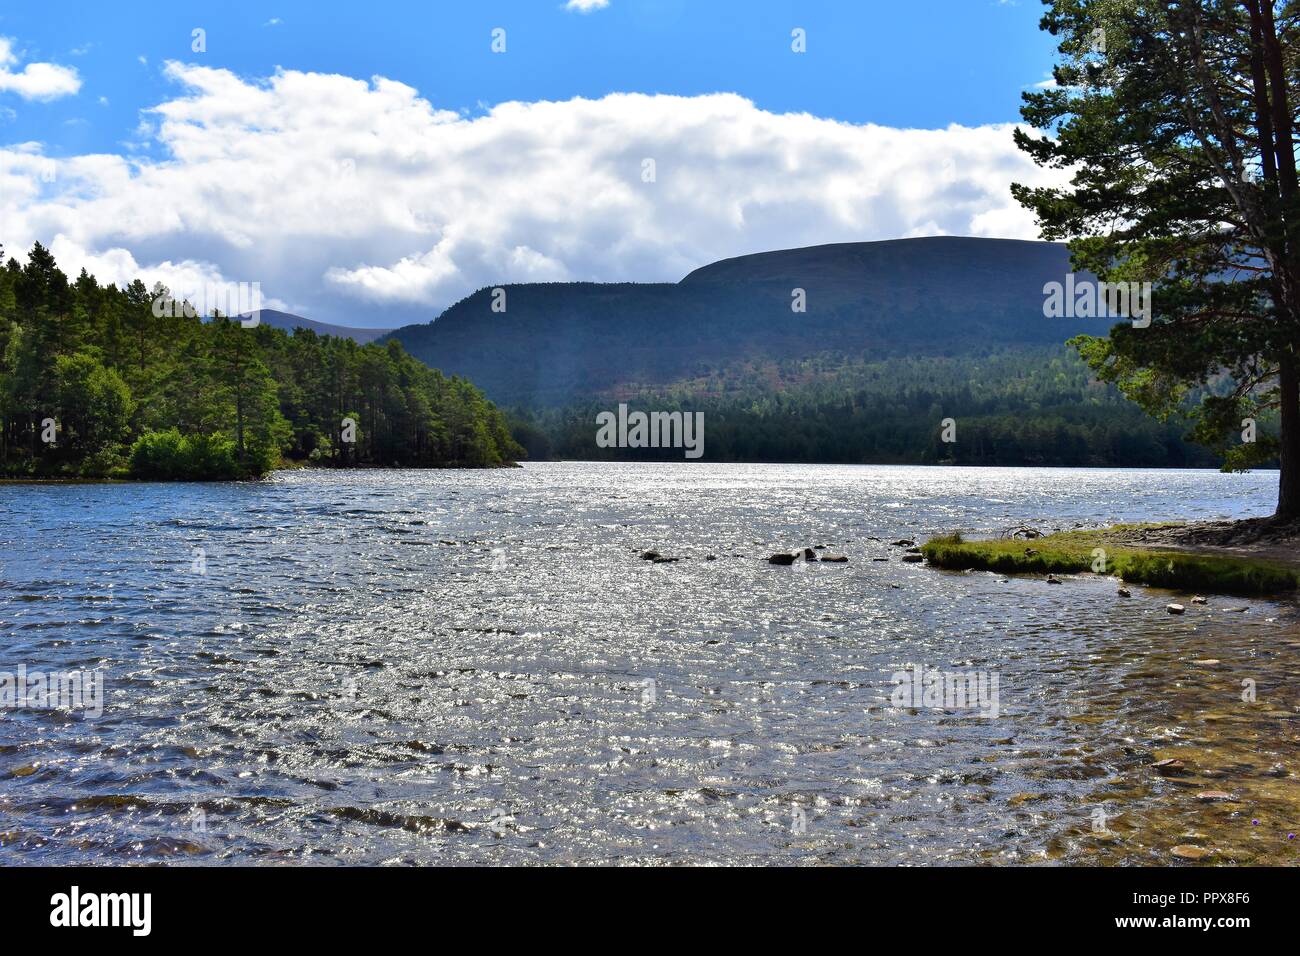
(561, 342)
(289, 322)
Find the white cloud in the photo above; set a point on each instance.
(360, 202)
(36, 81)
(586, 6)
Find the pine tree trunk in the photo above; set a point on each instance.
(1288, 491)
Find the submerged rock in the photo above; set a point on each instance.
(913, 558)
(649, 555)
(1023, 798)
(1189, 852)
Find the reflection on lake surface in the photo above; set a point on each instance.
(470, 667)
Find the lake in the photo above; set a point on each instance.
(428, 667)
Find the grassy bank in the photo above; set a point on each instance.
(1079, 552)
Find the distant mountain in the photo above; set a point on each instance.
(288, 321)
(557, 343)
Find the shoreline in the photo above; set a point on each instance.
(1249, 557)
(212, 481)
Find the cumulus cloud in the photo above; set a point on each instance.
(359, 201)
(586, 6)
(36, 81)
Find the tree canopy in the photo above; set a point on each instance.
(1175, 119)
(94, 382)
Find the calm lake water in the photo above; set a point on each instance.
(477, 667)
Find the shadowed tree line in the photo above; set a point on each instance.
(94, 384)
(1032, 406)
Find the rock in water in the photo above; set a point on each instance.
(836, 558)
(1199, 600)
(1175, 608)
(1124, 592)
(1053, 579)
(809, 554)
(913, 558)
(783, 558)
(649, 555)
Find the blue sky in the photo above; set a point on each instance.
(871, 64)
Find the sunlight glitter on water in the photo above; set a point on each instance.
(460, 666)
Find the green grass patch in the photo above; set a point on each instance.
(1075, 552)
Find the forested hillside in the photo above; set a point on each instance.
(1028, 406)
(93, 383)
(894, 337)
